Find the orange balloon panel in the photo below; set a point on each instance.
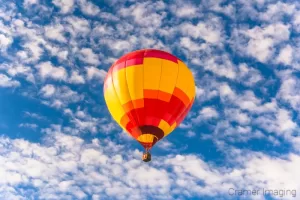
(148, 93)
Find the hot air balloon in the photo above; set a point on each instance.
(148, 93)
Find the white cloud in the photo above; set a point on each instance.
(165, 144)
(76, 78)
(88, 7)
(5, 41)
(6, 81)
(18, 69)
(248, 75)
(208, 90)
(4, 15)
(47, 70)
(276, 11)
(49, 165)
(28, 125)
(5, 30)
(93, 72)
(86, 125)
(226, 131)
(262, 48)
(92, 157)
(278, 171)
(209, 31)
(185, 126)
(22, 55)
(19, 23)
(88, 56)
(187, 43)
(284, 121)
(221, 66)
(34, 115)
(218, 6)
(247, 101)
(48, 90)
(205, 114)
(209, 112)
(81, 114)
(65, 6)
(285, 55)
(30, 2)
(251, 175)
(280, 123)
(145, 14)
(120, 45)
(83, 122)
(55, 32)
(199, 91)
(237, 116)
(263, 40)
(15, 70)
(296, 21)
(290, 91)
(34, 51)
(59, 97)
(102, 30)
(184, 10)
(63, 55)
(53, 49)
(191, 134)
(226, 91)
(77, 26)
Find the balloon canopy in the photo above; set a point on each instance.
(148, 93)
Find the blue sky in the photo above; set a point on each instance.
(58, 140)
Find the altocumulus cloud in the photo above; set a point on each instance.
(58, 140)
(67, 167)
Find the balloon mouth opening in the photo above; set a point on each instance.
(149, 136)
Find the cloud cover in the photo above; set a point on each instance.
(59, 142)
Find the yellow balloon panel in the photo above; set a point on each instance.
(135, 81)
(185, 80)
(120, 85)
(146, 138)
(152, 73)
(169, 74)
(113, 103)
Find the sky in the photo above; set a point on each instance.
(58, 140)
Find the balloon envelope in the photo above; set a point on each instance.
(148, 93)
